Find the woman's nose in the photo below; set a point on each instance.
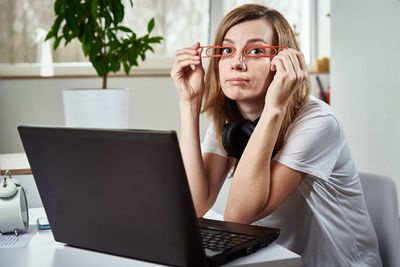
(238, 63)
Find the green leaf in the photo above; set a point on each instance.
(56, 26)
(95, 50)
(66, 32)
(96, 24)
(108, 19)
(57, 42)
(49, 35)
(124, 29)
(112, 38)
(80, 31)
(63, 7)
(117, 11)
(127, 68)
(94, 9)
(100, 66)
(57, 6)
(150, 26)
(71, 22)
(87, 39)
(156, 39)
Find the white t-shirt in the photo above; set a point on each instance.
(325, 219)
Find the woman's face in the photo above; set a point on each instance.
(243, 78)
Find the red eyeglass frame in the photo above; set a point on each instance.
(208, 47)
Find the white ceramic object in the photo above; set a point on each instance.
(14, 215)
(96, 108)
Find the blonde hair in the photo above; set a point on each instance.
(222, 109)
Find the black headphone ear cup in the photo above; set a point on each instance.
(247, 128)
(235, 136)
(233, 139)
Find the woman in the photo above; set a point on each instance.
(310, 189)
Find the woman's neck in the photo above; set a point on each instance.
(251, 110)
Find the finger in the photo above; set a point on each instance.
(300, 57)
(295, 63)
(196, 45)
(277, 64)
(300, 74)
(187, 57)
(302, 61)
(288, 64)
(300, 65)
(200, 50)
(184, 65)
(280, 57)
(187, 51)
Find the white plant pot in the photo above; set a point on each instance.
(96, 108)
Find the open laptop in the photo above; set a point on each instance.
(125, 192)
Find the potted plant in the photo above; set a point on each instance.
(107, 44)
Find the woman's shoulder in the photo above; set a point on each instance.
(315, 106)
(316, 117)
(316, 110)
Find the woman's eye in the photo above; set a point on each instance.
(226, 51)
(256, 51)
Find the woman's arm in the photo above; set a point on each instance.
(205, 178)
(261, 185)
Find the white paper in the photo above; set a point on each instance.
(20, 241)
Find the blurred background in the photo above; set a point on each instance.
(353, 47)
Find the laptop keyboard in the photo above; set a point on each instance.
(221, 241)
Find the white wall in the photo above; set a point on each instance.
(323, 28)
(153, 104)
(365, 79)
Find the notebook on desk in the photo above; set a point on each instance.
(125, 192)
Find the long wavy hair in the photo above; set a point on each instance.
(221, 109)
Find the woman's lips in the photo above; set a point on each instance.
(237, 81)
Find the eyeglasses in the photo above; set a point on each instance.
(249, 51)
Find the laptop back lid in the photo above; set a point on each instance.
(117, 191)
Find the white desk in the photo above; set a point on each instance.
(43, 251)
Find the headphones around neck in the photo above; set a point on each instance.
(236, 134)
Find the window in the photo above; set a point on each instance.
(296, 12)
(24, 24)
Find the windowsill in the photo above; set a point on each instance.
(150, 67)
(158, 67)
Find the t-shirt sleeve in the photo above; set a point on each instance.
(211, 144)
(312, 145)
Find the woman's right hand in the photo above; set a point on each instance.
(189, 82)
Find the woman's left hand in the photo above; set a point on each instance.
(291, 72)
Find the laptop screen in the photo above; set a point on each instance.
(118, 191)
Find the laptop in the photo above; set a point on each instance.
(125, 192)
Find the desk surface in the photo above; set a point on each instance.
(43, 251)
